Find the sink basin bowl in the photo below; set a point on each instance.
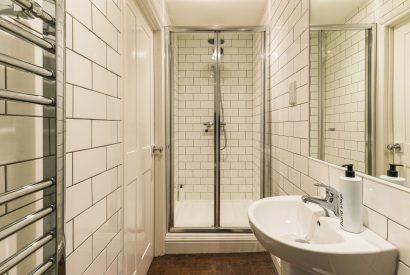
(309, 243)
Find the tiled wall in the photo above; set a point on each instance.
(93, 137)
(386, 206)
(289, 40)
(194, 104)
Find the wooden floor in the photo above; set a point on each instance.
(214, 264)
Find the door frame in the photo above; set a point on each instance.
(265, 142)
(384, 86)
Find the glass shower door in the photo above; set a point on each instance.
(217, 125)
(193, 83)
(241, 87)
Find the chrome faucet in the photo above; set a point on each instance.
(329, 202)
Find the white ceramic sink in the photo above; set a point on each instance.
(307, 242)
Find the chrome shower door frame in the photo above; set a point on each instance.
(169, 113)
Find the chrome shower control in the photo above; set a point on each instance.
(208, 124)
(394, 147)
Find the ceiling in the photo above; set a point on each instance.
(324, 12)
(216, 12)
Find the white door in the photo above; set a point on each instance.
(138, 138)
(401, 97)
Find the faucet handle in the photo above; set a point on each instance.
(329, 189)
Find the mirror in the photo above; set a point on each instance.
(342, 94)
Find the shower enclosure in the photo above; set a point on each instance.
(217, 150)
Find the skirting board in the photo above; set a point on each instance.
(193, 243)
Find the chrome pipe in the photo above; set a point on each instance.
(20, 224)
(19, 256)
(25, 66)
(35, 9)
(26, 35)
(43, 267)
(25, 190)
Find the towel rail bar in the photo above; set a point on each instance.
(26, 35)
(25, 66)
(23, 97)
(43, 268)
(23, 222)
(25, 190)
(20, 255)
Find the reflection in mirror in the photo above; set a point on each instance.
(338, 93)
(342, 92)
(398, 144)
(341, 86)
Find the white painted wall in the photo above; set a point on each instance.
(215, 12)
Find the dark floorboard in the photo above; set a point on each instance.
(214, 264)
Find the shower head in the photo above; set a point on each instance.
(212, 41)
(221, 41)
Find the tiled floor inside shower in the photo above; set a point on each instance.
(200, 213)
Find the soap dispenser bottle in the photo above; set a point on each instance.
(351, 218)
(393, 175)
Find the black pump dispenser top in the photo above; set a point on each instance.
(349, 172)
(392, 172)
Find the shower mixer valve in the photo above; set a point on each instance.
(209, 125)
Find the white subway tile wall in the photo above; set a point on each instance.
(194, 105)
(93, 125)
(386, 206)
(289, 56)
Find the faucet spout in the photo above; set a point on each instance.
(318, 201)
(329, 202)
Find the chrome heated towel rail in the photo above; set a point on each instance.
(31, 178)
